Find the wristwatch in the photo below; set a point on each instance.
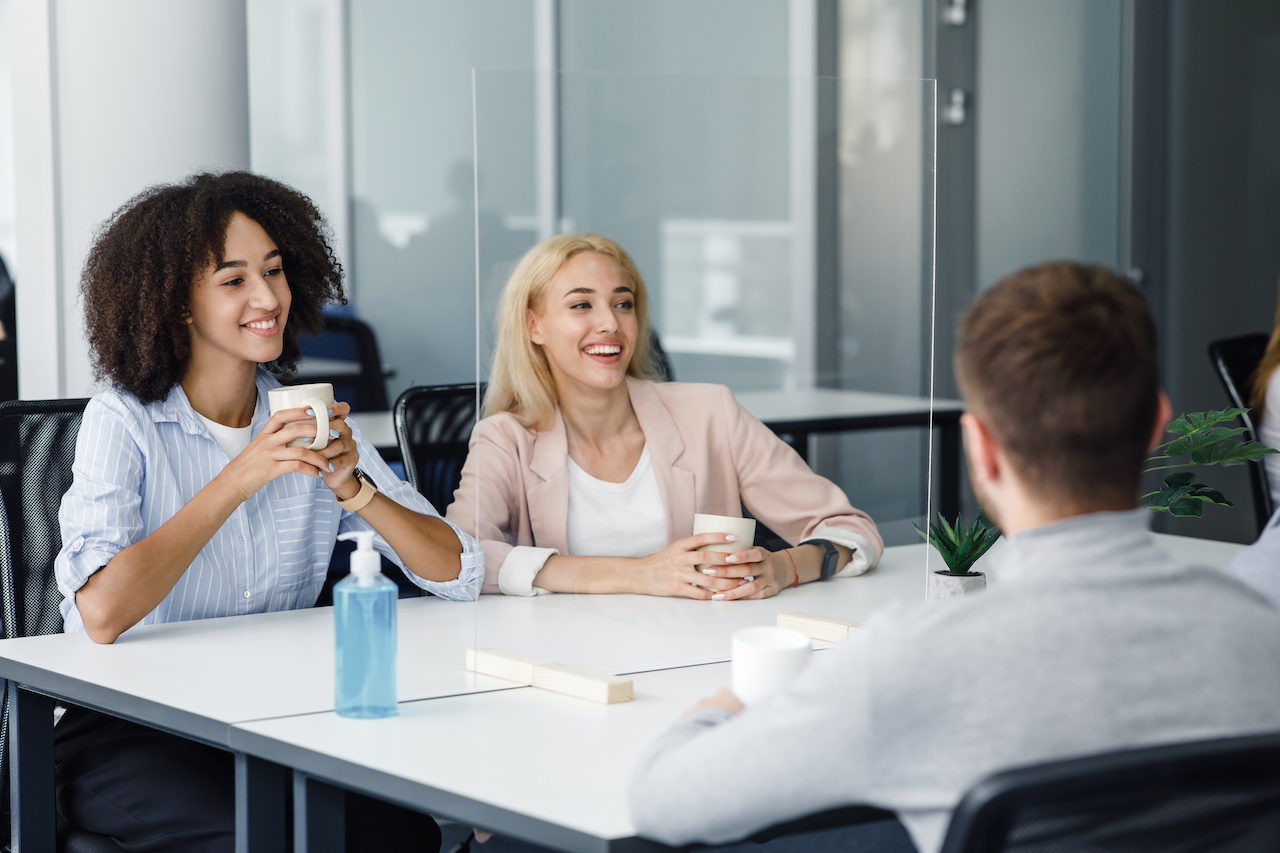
(360, 499)
(830, 560)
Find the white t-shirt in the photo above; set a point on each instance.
(625, 519)
(231, 439)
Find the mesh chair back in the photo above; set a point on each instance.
(346, 339)
(1236, 359)
(433, 426)
(1221, 795)
(37, 446)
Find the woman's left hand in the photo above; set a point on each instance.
(342, 454)
(760, 573)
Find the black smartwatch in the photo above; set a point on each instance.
(830, 560)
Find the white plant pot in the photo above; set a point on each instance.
(946, 585)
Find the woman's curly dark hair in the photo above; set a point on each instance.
(137, 280)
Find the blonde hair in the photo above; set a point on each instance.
(520, 381)
(1262, 375)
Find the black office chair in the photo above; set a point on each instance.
(1221, 795)
(433, 426)
(37, 446)
(349, 340)
(1236, 359)
(661, 364)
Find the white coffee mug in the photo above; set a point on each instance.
(743, 528)
(317, 396)
(765, 658)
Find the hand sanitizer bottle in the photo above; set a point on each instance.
(364, 614)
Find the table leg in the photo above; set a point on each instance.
(949, 475)
(31, 771)
(319, 816)
(261, 789)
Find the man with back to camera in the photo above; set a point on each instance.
(1092, 640)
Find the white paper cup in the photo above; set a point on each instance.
(743, 528)
(318, 396)
(765, 658)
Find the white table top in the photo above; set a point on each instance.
(771, 407)
(550, 768)
(220, 671)
(197, 677)
(524, 764)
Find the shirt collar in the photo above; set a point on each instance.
(176, 408)
(1099, 542)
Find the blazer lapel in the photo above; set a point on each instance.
(676, 483)
(547, 492)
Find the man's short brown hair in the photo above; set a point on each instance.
(1059, 361)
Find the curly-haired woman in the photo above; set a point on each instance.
(188, 502)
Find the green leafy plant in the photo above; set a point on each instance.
(960, 546)
(1203, 438)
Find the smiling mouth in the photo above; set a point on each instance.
(262, 324)
(603, 349)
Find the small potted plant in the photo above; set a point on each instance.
(960, 548)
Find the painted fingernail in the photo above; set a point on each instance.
(331, 468)
(311, 413)
(729, 537)
(333, 433)
(331, 411)
(744, 581)
(719, 596)
(732, 558)
(708, 571)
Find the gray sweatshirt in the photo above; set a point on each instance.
(1093, 640)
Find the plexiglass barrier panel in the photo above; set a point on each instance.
(783, 229)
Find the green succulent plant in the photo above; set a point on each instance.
(1203, 439)
(960, 546)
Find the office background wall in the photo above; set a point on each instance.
(367, 106)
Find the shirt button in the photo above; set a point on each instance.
(247, 593)
(78, 544)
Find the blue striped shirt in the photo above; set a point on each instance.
(136, 465)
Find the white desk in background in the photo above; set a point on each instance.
(208, 679)
(796, 415)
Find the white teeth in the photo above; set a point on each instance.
(263, 324)
(603, 350)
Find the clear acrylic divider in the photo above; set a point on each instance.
(784, 231)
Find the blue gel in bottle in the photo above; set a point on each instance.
(364, 613)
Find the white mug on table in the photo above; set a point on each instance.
(764, 659)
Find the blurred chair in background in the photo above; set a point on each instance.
(8, 336)
(345, 354)
(1235, 360)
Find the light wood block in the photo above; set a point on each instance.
(825, 628)
(504, 663)
(582, 683)
(549, 675)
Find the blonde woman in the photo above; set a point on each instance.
(586, 474)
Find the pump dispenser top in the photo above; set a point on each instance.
(365, 562)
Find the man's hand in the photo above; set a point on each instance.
(725, 700)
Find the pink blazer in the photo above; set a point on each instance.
(709, 455)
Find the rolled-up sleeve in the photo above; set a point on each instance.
(100, 514)
(465, 587)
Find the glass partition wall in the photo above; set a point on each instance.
(786, 255)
